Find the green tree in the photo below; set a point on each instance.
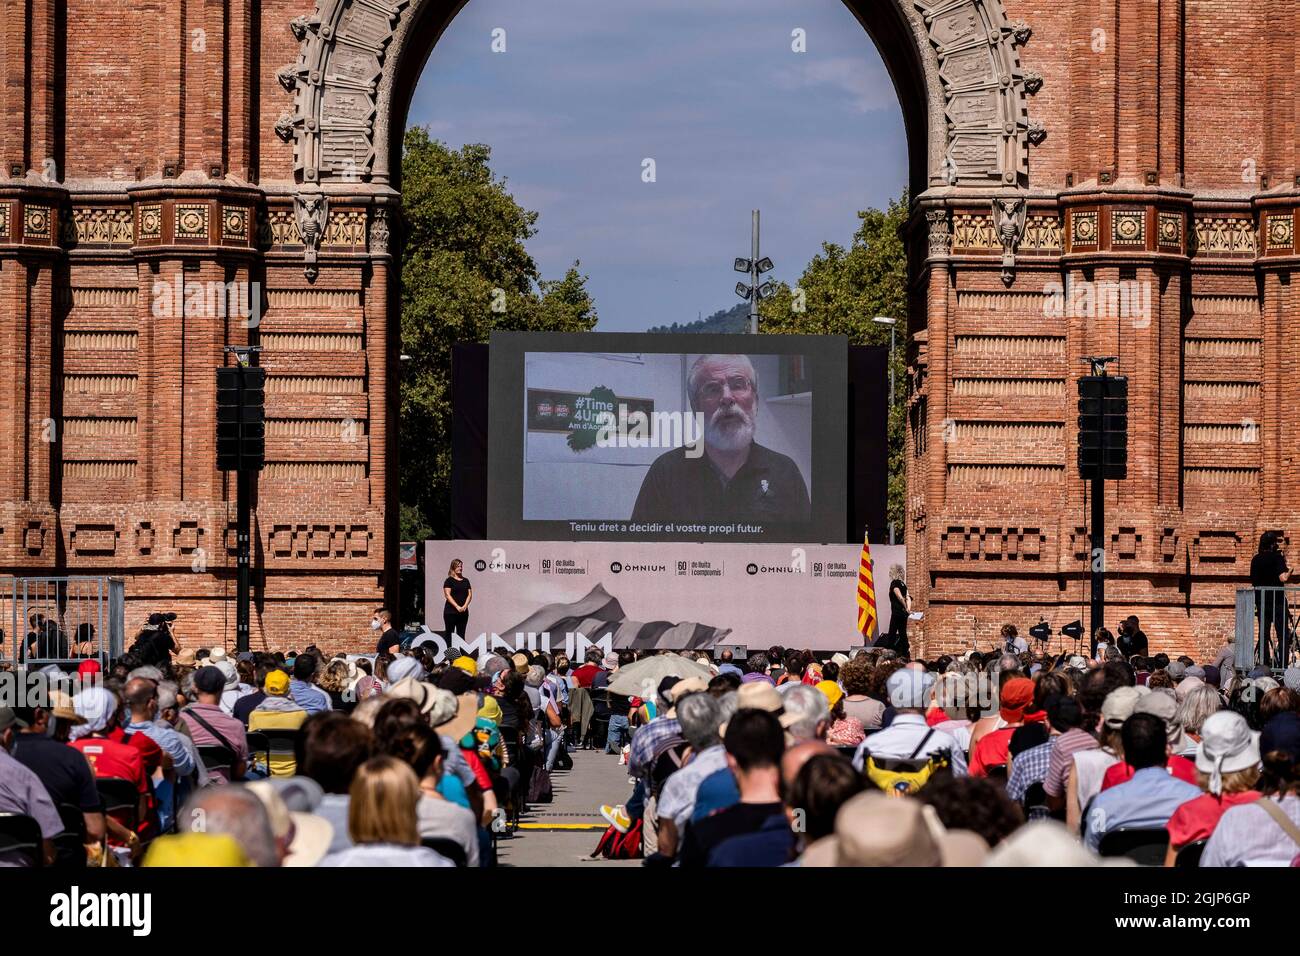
(840, 292)
(465, 273)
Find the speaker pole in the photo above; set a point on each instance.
(243, 506)
(1097, 541)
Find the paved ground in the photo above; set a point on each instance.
(564, 833)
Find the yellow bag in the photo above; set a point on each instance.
(904, 776)
(900, 776)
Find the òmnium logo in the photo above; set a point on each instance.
(751, 568)
(772, 569)
(77, 909)
(618, 566)
(480, 565)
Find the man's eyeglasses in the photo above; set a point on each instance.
(738, 384)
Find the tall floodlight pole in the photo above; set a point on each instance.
(753, 274)
(893, 324)
(755, 266)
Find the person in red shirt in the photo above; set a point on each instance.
(1121, 772)
(1227, 769)
(994, 748)
(150, 752)
(585, 674)
(111, 758)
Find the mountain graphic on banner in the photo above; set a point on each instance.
(598, 614)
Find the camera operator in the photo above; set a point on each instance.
(156, 643)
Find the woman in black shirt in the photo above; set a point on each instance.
(900, 605)
(458, 594)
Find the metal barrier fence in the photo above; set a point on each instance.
(56, 620)
(1266, 627)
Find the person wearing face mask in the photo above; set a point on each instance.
(64, 773)
(388, 640)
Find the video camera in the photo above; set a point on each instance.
(159, 619)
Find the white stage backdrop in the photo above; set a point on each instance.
(659, 595)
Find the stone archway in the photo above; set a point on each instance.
(255, 142)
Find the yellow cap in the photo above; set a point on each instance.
(276, 683)
(490, 710)
(195, 849)
(467, 664)
(832, 691)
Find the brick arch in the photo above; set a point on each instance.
(955, 65)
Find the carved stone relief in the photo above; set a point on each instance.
(336, 82)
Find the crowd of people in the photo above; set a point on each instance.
(999, 758)
(782, 757)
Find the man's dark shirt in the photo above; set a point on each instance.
(768, 487)
(1130, 644)
(155, 649)
(63, 769)
(772, 845)
(740, 818)
(387, 638)
(246, 705)
(599, 695)
(51, 643)
(1266, 569)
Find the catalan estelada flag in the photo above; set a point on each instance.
(866, 591)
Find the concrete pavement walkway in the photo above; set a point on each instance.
(565, 831)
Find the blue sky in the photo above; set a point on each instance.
(713, 93)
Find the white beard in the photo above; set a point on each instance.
(729, 431)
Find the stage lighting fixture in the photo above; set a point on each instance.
(742, 290)
(742, 265)
(765, 265)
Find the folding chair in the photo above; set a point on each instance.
(277, 743)
(70, 845)
(121, 798)
(448, 848)
(1143, 846)
(217, 758)
(1189, 856)
(20, 833)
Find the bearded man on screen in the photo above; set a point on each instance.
(736, 479)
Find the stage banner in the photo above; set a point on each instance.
(564, 596)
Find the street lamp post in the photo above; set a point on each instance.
(893, 324)
(755, 266)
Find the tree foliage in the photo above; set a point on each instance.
(840, 292)
(465, 273)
